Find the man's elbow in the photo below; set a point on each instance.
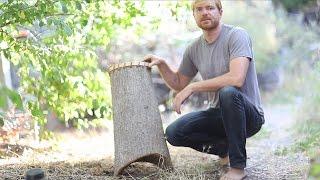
(238, 82)
(175, 87)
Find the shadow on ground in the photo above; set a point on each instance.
(91, 157)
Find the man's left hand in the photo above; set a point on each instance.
(181, 97)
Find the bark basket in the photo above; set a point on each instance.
(138, 131)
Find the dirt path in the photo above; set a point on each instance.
(265, 162)
(90, 156)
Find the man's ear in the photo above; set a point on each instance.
(221, 11)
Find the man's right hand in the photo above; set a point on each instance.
(153, 60)
(173, 79)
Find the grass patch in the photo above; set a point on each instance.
(262, 134)
(308, 140)
(309, 137)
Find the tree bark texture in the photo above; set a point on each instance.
(138, 131)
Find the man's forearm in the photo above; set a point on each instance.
(170, 77)
(235, 77)
(216, 83)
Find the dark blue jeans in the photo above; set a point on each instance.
(219, 131)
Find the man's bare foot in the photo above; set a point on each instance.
(224, 161)
(234, 174)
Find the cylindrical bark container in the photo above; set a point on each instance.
(138, 130)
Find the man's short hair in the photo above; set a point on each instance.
(217, 2)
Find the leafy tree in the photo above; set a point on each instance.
(53, 43)
(309, 9)
(5, 94)
(295, 5)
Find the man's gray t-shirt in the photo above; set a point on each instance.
(213, 59)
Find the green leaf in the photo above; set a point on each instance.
(64, 8)
(78, 5)
(16, 47)
(41, 23)
(84, 22)
(102, 110)
(36, 112)
(315, 170)
(22, 15)
(1, 121)
(3, 101)
(6, 54)
(49, 21)
(15, 98)
(67, 30)
(95, 104)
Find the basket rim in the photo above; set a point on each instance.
(116, 66)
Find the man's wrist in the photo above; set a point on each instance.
(162, 61)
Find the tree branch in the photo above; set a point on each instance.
(33, 6)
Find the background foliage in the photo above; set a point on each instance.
(53, 43)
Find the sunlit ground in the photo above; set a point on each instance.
(89, 155)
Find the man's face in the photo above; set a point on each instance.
(206, 14)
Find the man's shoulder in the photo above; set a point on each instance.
(231, 29)
(234, 33)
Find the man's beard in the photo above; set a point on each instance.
(214, 24)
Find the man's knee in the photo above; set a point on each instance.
(171, 136)
(228, 93)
